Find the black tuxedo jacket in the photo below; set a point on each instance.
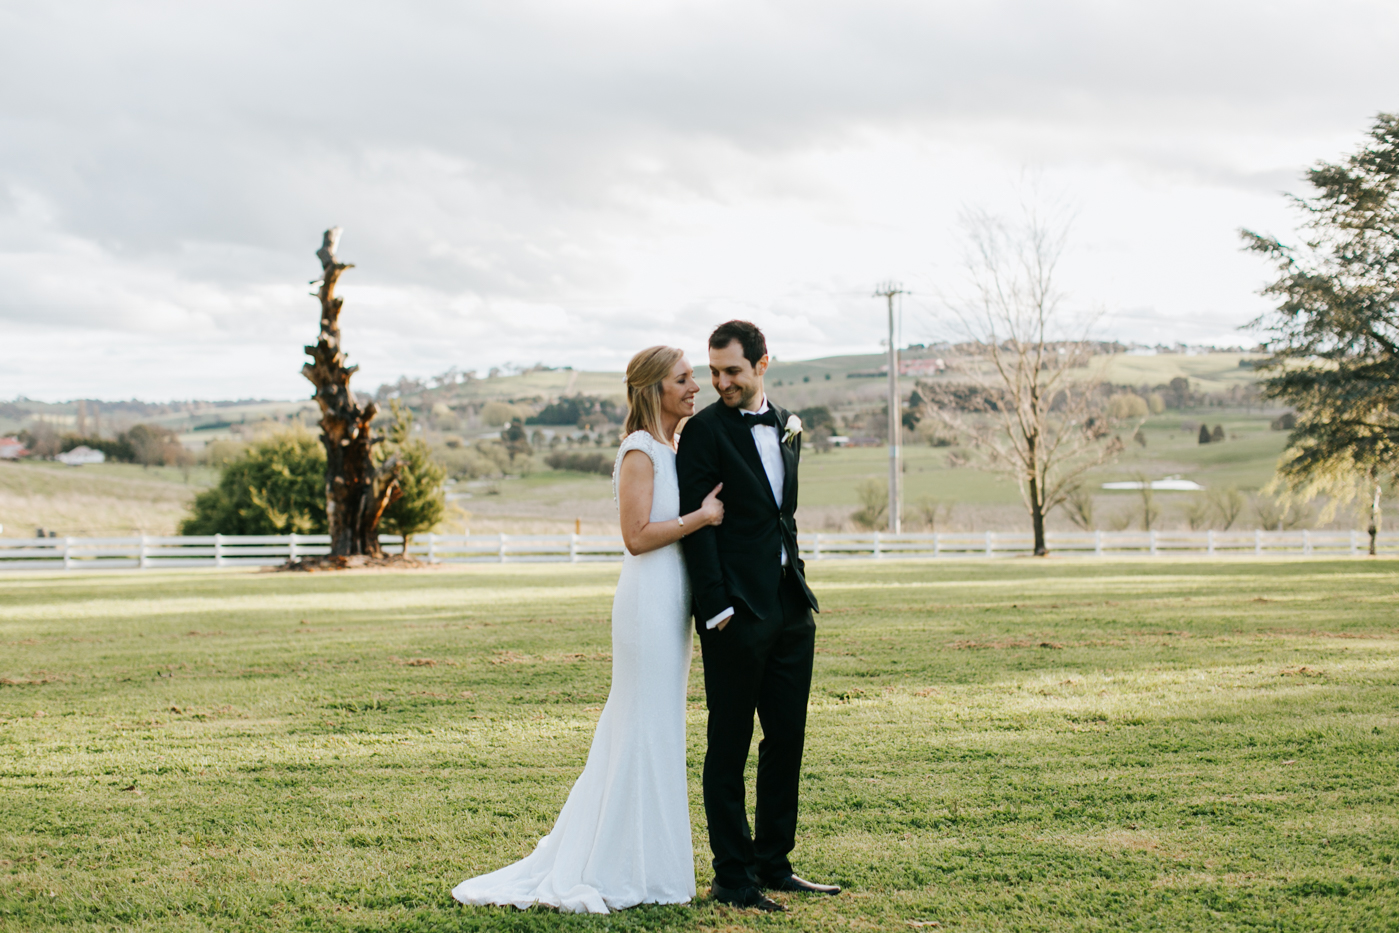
(739, 561)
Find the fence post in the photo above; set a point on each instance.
(877, 551)
(1209, 542)
(431, 548)
(502, 547)
(218, 550)
(573, 548)
(989, 545)
(67, 558)
(1151, 542)
(1354, 542)
(937, 544)
(816, 553)
(1098, 543)
(1306, 542)
(142, 560)
(291, 547)
(1257, 541)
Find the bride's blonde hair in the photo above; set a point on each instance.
(646, 375)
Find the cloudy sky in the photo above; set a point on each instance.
(566, 182)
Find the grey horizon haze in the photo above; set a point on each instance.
(568, 183)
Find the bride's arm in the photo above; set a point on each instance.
(634, 488)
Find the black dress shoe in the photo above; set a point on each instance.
(800, 886)
(745, 897)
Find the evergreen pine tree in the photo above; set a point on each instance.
(422, 502)
(1334, 336)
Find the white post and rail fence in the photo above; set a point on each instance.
(156, 553)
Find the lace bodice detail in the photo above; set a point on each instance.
(665, 491)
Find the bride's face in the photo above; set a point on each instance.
(679, 390)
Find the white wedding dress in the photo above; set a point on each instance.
(623, 837)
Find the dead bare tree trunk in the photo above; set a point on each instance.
(356, 489)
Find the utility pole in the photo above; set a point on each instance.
(887, 291)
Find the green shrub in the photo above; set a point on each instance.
(580, 462)
(874, 504)
(221, 453)
(820, 416)
(481, 459)
(276, 487)
(1128, 405)
(423, 502)
(153, 445)
(500, 413)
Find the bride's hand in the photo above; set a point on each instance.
(711, 509)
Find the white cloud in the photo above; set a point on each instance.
(561, 182)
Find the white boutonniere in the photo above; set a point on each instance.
(794, 427)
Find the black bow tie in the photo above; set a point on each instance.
(768, 417)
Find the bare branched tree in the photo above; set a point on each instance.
(357, 490)
(1041, 422)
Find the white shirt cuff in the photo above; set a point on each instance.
(714, 622)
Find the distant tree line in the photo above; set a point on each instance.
(579, 410)
(580, 462)
(146, 444)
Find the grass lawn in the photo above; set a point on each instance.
(992, 746)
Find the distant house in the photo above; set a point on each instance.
(11, 449)
(921, 367)
(81, 455)
(926, 366)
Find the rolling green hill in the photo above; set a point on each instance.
(1207, 372)
(117, 499)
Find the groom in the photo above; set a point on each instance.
(753, 611)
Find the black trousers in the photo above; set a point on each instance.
(763, 666)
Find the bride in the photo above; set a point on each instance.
(623, 837)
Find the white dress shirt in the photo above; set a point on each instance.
(769, 444)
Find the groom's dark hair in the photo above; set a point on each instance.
(755, 347)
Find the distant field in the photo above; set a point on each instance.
(120, 499)
(107, 499)
(123, 499)
(1003, 746)
(1208, 372)
(979, 499)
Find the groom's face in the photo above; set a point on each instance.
(738, 382)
